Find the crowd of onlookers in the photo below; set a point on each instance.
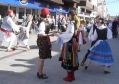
(62, 20)
(113, 25)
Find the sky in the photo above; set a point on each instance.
(113, 8)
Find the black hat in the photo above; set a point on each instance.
(101, 20)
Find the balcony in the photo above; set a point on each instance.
(74, 1)
(95, 8)
(71, 3)
(54, 1)
(86, 5)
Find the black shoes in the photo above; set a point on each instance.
(86, 67)
(43, 76)
(107, 72)
(79, 51)
(82, 63)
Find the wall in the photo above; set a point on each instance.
(94, 2)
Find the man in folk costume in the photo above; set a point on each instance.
(7, 30)
(76, 24)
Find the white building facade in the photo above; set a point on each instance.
(102, 9)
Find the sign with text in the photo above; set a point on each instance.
(23, 2)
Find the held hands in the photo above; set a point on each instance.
(55, 33)
(9, 34)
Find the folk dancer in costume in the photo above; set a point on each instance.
(43, 43)
(70, 56)
(80, 34)
(7, 30)
(76, 24)
(93, 42)
(100, 52)
(24, 32)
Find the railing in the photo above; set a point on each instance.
(72, 0)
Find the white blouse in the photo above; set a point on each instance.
(82, 28)
(66, 36)
(94, 36)
(27, 29)
(41, 28)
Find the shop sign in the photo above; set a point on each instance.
(23, 2)
(37, 3)
(60, 9)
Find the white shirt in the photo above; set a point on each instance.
(81, 27)
(91, 32)
(9, 25)
(63, 21)
(41, 28)
(94, 36)
(66, 36)
(70, 28)
(110, 25)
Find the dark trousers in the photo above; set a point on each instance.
(85, 57)
(114, 31)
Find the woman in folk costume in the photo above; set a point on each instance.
(100, 52)
(80, 34)
(7, 30)
(43, 43)
(69, 51)
(24, 32)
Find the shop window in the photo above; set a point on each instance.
(3, 11)
(34, 12)
(28, 11)
(21, 13)
(14, 9)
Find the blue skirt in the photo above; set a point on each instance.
(101, 53)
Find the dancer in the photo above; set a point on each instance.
(80, 34)
(7, 30)
(24, 33)
(70, 46)
(93, 42)
(100, 52)
(43, 43)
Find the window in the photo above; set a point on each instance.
(14, 9)
(34, 12)
(21, 13)
(3, 10)
(28, 11)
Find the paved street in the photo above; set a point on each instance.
(20, 67)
